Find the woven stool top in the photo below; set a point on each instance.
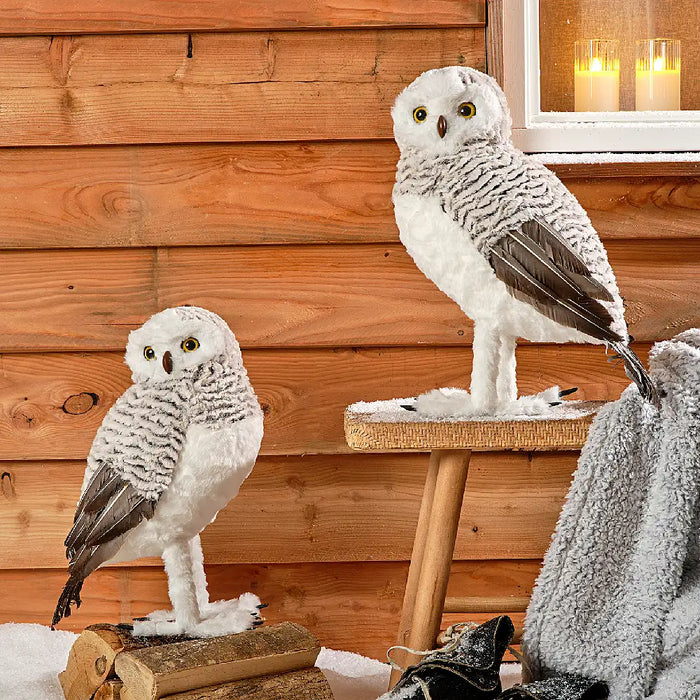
(381, 426)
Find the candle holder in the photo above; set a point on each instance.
(597, 76)
(658, 79)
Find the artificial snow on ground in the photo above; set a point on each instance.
(33, 656)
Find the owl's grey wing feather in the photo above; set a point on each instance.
(108, 508)
(541, 269)
(133, 458)
(540, 234)
(98, 490)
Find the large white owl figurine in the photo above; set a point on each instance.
(501, 235)
(172, 451)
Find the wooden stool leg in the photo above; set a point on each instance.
(439, 548)
(414, 569)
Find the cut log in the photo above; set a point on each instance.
(90, 661)
(155, 672)
(109, 690)
(306, 684)
(91, 658)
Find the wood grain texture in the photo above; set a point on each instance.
(111, 690)
(444, 520)
(632, 168)
(306, 684)
(303, 392)
(352, 606)
(494, 39)
(169, 88)
(295, 296)
(637, 207)
(354, 56)
(279, 193)
(91, 661)
(83, 16)
(297, 509)
(168, 669)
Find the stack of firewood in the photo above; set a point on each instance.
(270, 663)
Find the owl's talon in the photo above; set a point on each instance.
(229, 617)
(567, 392)
(157, 616)
(457, 403)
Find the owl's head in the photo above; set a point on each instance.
(445, 108)
(176, 341)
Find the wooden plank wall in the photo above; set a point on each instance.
(240, 158)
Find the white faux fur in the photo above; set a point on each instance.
(187, 440)
(440, 92)
(456, 404)
(618, 596)
(456, 196)
(212, 466)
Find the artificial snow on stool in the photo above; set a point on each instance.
(501, 235)
(458, 403)
(172, 451)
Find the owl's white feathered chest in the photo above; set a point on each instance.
(446, 255)
(212, 466)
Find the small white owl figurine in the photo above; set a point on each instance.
(498, 233)
(172, 451)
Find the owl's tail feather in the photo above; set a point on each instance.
(636, 371)
(69, 596)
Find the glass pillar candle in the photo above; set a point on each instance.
(658, 82)
(597, 76)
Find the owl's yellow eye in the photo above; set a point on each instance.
(466, 110)
(420, 114)
(149, 353)
(189, 344)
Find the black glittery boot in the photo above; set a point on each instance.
(564, 687)
(467, 668)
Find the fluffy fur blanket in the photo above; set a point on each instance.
(618, 597)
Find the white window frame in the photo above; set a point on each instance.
(535, 131)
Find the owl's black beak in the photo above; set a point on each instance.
(442, 126)
(168, 362)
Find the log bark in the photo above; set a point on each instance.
(305, 684)
(156, 672)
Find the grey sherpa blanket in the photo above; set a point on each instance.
(618, 597)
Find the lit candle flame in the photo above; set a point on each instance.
(658, 63)
(596, 64)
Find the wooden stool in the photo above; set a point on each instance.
(369, 427)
